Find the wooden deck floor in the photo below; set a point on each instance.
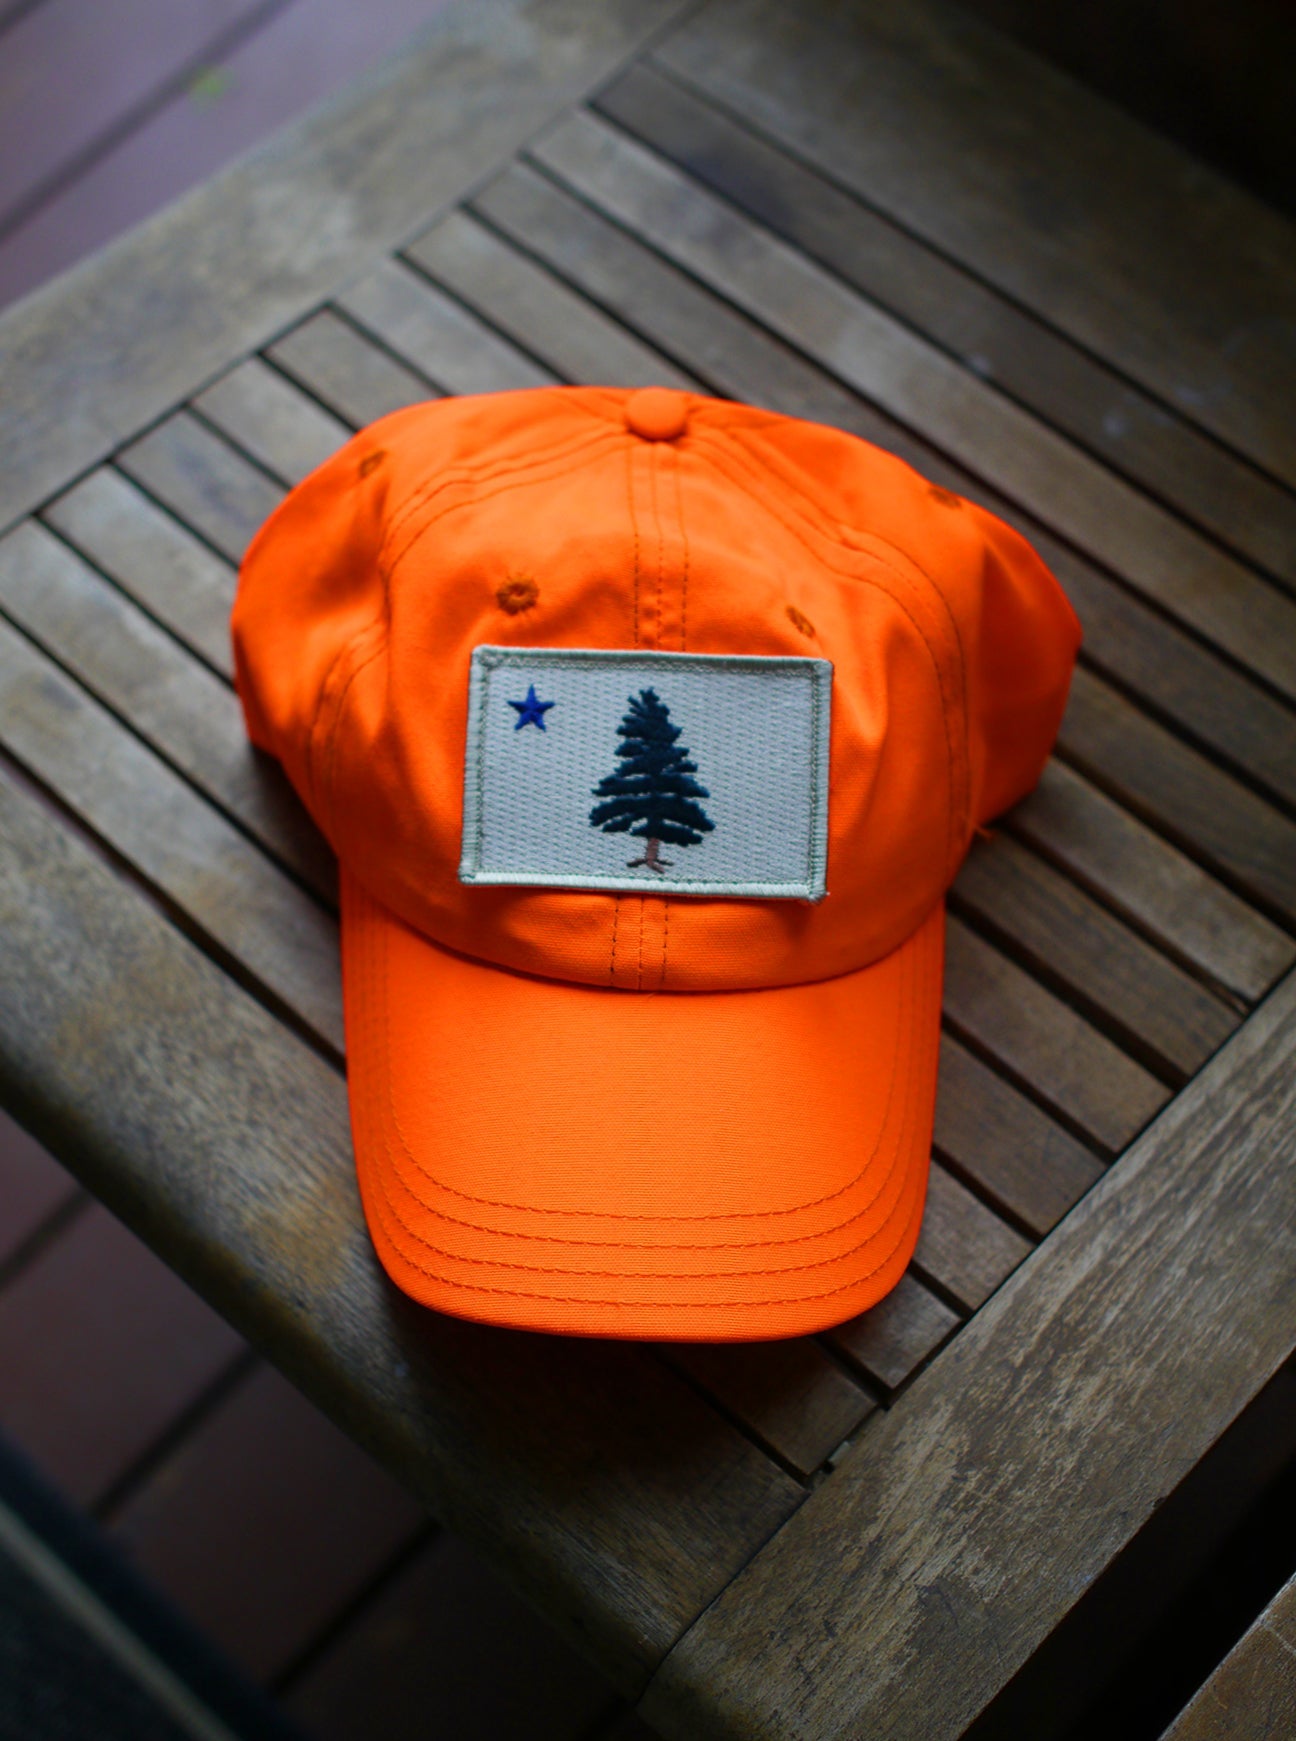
(295, 1550)
(109, 112)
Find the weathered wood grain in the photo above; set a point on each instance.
(1154, 886)
(957, 412)
(537, 310)
(1158, 1012)
(271, 420)
(175, 704)
(1205, 697)
(204, 481)
(1244, 841)
(962, 1245)
(1133, 433)
(435, 333)
(1252, 1694)
(345, 370)
(1198, 689)
(1014, 1469)
(189, 853)
(1069, 1065)
(797, 1399)
(1015, 1154)
(90, 361)
(1058, 198)
(154, 559)
(604, 1487)
(891, 1340)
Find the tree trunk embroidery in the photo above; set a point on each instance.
(651, 859)
(652, 795)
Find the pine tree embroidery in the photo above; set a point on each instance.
(654, 786)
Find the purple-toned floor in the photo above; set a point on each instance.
(110, 111)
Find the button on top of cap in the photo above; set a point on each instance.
(656, 413)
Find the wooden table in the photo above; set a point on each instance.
(887, 219)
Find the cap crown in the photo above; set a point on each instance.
(542, 519)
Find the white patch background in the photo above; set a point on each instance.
(757, 729)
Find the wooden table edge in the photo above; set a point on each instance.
(913, 1630)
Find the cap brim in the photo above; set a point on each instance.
(682, 1166)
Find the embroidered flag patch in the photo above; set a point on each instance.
(683, 773)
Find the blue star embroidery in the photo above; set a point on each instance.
(531, 711)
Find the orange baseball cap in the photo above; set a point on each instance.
(649, 730)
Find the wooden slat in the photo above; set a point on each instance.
(997, 338)
(272, 420)
(190, 716)
(1247, 843)
(610, 1493)
(421, 1659)
(537, 310)
(955, 1534)
(152, 557)
(795, 1398)
(264, 1521)
(1002, 1010)
(1154, 886)
(1201, 695)
(435, 333)
(1156, 1009)
(890, 1341)
(177, 843)
(287, 945)
(1200, 690)
(950, 407)
(1014, 1153)
(203, 480)
(347, 371)
(86, 366)
(933, 118)
(1251, 1696)
(962, 1245)
(101, 1347)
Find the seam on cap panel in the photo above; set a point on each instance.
(850, 574)
(616, 919)
(471, 498)
(463, 472)
(855, 1283)
(349, 649)
(655, 463)
(676, 472)
(910, 1022)
(328, 791)
(842, 534)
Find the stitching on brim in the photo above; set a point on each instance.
(913, 1024)
(855, 1283)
